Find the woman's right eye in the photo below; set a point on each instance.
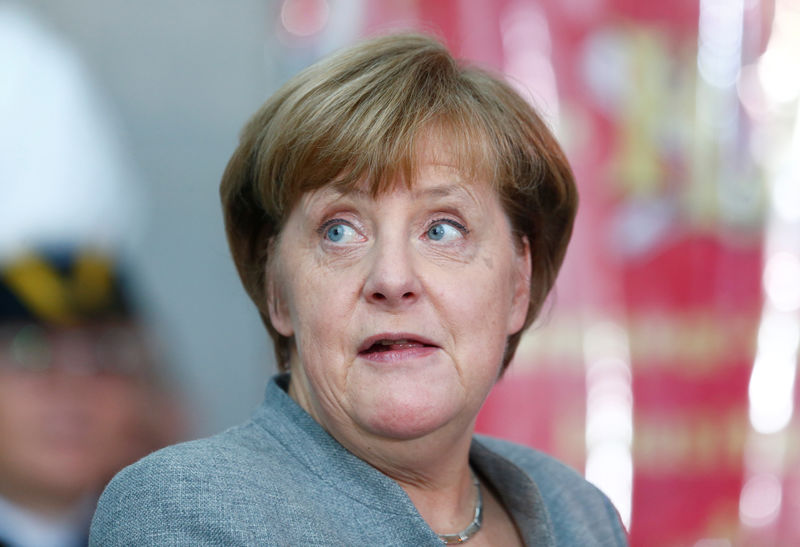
(337, 231)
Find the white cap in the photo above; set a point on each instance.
(64, 178)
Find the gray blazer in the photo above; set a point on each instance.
(280, 479)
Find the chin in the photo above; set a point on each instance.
(410, 417)
(407, 403)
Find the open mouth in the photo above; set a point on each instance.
(394, 345)
(379, 345)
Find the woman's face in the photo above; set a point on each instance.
(400, 305)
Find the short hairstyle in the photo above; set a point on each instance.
(355, 116)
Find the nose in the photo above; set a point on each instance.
(392, 281)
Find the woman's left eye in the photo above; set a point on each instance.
(445, 230)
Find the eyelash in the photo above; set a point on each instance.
(328, 223)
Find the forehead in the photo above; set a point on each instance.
(432, 181)
(465, 151)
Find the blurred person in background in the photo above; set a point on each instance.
(80, 392)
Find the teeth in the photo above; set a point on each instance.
(393, 342)
(386, 344)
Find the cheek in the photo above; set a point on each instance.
(484, 291)
(477, 311)
(286, 291)
(483, 313)
(321, 305)
(20, 406)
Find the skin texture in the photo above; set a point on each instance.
(434, 268)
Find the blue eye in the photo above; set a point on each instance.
(445, 231)
(335, 232)
(339, 232)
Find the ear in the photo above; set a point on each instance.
(521, 285)
(277, 306)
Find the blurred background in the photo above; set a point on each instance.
(664, 369)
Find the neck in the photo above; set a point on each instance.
(435, 475)
(449, 507)
(433, 469)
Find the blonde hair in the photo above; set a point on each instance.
(357, 116)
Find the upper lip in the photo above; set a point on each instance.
(395, 336)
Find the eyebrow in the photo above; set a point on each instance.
(437, 191)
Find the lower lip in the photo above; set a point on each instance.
(398, 355)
